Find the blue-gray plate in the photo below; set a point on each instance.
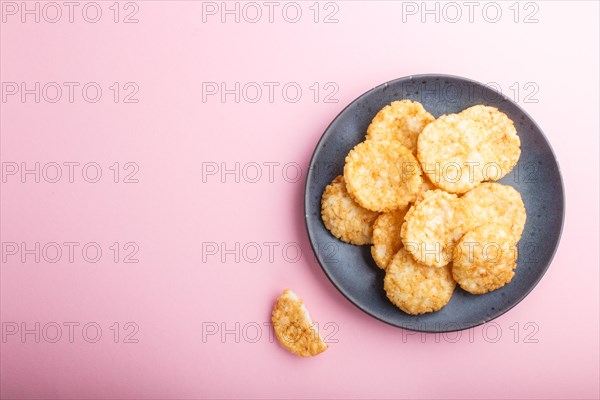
(536, 176)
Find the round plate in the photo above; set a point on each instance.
(537, 177)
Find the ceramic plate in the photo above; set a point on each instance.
(537, 177)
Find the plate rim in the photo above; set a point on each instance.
(311, 165)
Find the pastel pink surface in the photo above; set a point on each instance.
(175, 293)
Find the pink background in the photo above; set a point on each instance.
(172, 295)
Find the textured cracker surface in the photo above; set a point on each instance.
(505, 144)
(454, 151)
(485, 259)
(401, 120)
(493, 202)
(343, 217)
(382, 175)
(431, 228)
(386, 236)
(294, 328)
(426, 186)
(416, 288)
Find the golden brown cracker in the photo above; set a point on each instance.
(386, 236)
(382, 175)
(485, 259)
(401, 120)
(431, 228)
(416, 288)
(345, 218)
(504, 141)
(294, 328)
(453, 152)
(493, 202)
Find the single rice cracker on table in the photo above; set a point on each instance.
(343, 217)
(431, 228)
(382, 175)
(294, 328)
(485, 259)
(416, 288)
(401, 120)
